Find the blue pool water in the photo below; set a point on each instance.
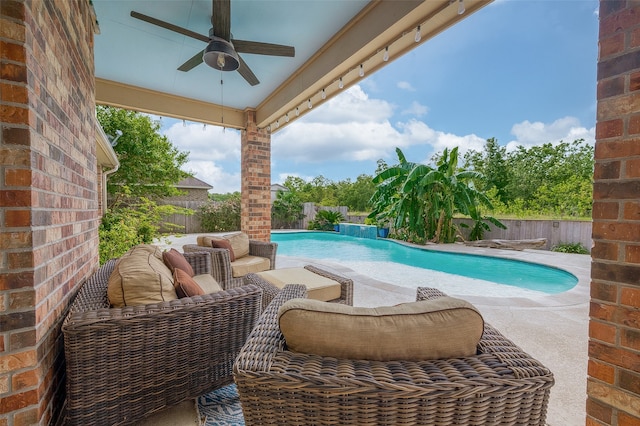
(326, 245)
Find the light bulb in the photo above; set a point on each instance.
(184, 123)
(297, 112)
(277, 123)
(340, 84)
(204, 127)
(361, 72)
(309, 104)
(418, 35)
(385, 57)
(220, 61)
(286, 118)
(460, 7)
(324, 95)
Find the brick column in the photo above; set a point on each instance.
(613, 385)
(48, 196)
(256, 180)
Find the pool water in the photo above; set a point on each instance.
(330, 246)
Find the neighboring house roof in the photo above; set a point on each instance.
(193, 183)
(278, 187)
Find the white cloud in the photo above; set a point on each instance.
(354, 127)
(565, 129)
(416, 109)
(211, 150)
(405, 85)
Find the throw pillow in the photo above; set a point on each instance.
(185, 285)
(174, 259)
(224, 244)
(430, 329)
(140, 277)
(240, 243)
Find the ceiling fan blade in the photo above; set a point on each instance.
(221, 19)
(170, 27)
(259, 48)
(248, 75)
(192, 63)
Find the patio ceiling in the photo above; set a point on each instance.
(137, 62)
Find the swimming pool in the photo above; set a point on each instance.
(341, 249)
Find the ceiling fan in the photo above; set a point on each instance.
(222, 51)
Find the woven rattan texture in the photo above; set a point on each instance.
(123, 364)
(221, 262)
(500, 385)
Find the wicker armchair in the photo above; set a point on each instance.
(123, 364)
(221, 262)
(501, 385)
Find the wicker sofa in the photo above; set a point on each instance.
(221, 265)
(125, 363)
(500, 385)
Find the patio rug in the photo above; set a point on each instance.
(221, 407)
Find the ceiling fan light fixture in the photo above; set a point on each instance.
(221, 55)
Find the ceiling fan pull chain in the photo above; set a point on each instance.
(222, 103)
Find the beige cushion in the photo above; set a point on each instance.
(239, 242)
(185, 285)
(430, 329)
(207, 283)
(318, 287)
(140, 277)
(249, 264)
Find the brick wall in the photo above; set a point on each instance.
(613, 385)
(48, 195)
(255, 204)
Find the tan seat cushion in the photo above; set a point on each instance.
(140, 277)
(207, 283)
(430, 329)
(249, 264)
(318, 287)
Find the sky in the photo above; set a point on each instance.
(520, 71)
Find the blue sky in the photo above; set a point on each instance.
(522, 71)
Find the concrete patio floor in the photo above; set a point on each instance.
(551, 328)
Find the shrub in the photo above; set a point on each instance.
(221, 216)
(576, 248)
(325, 219)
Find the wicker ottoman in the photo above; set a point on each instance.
(321, 284)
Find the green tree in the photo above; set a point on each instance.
(492, 164)
(221, 216)
(286, 210)
(149, 163)
(356, 195)
(423, 200)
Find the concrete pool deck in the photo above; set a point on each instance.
(551, 328)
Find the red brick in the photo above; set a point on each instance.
(26, 417)
(625, 419)
(22, 339)
(605, 210)
(634, 81)
(632, 255)
(601, 371)
(24, 380)
(17, 177)
(610, 87)
(634, 124)
(632, 168)
(634, 40)
(617, 149)
(593, 422)
(631, 210)
(18, 401)
(616, 231)
(630, 338)
(15, 198)
(609, 129)
(602, 331)
(602, 311)
(17, 218)
(630, 296)
(615, 272)
(604, 251)
(614, 17)
(616, 107)
(611, 45)
(599, 411)
(604, 292)
(13, 93)
(615, 356)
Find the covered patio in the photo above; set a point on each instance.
(59, 59)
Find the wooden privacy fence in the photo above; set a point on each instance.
(555, 231)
